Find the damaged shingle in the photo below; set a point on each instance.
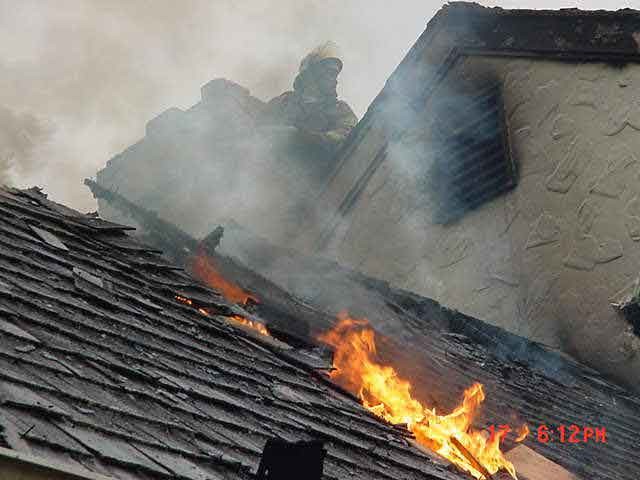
(25, 348)
(19, 396)
(88, 277)
(7, 327)
(49, 238)
(5, 288)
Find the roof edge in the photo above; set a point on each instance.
(476, 8)
(47, 466)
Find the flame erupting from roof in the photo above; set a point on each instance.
(387, 395)
(203, 267)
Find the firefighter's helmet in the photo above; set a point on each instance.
(325, 53)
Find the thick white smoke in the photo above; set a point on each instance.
(100, 70)
(23, 137)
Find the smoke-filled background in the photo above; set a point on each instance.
(80, 78)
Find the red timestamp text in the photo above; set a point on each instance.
(571, 434)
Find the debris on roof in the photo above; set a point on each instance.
(533, 466)
(49, 237)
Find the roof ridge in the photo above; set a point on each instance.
(569, 11)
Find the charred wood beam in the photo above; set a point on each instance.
(474, 461)
(164, 235)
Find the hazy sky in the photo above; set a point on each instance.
(80, 78)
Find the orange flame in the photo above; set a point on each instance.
(185, 300)
(523, 431)
(387, 395)
(188, 301)
(259, 327)
(203, 267)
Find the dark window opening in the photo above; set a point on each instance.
(472, 159)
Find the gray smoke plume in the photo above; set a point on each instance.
(22, 138)
(100, 70)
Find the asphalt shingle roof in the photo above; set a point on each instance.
(441, 350)
(444, 351)
(101, 367)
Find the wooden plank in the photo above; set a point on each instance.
(469, 456)
(533, 466)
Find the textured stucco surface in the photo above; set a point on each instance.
(547, 259)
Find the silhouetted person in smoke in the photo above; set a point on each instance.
(313, 106)
(303, 129)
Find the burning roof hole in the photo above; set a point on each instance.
(236, 320)
(257, 326)
(191, 303)
(203, 267)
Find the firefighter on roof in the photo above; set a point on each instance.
(313, 106)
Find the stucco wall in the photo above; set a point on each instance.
(545, 260)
